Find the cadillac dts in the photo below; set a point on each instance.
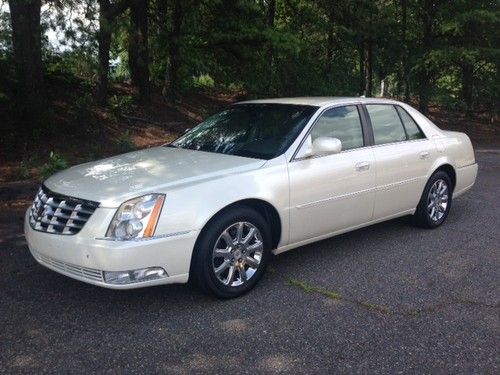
(261, 177)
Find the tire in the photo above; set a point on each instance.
(225, 269)
(435, 203)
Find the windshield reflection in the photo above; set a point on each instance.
(261, 131)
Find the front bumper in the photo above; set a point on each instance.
(85, 257)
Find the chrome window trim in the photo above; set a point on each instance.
(323, 110)
(359, 148)
(399, 142)
(402, 124)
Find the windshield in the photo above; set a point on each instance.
(261, 131)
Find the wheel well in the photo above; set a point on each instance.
(450, 171)
(268, 212)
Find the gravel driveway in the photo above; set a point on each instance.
(385, 299)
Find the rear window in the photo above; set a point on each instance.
(410, 125)
(387, 126)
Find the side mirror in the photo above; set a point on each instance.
(320, 146)
(326, 145)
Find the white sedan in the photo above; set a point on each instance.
(261, 177)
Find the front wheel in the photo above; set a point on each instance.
(435, 202)
(232, 253)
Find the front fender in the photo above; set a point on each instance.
(191, 207)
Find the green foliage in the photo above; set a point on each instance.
(22, 171)
(56, 163)
(72, 67)
(125, 143)
(120, 104)
(448, 91)
(203, 81)
(441, 51)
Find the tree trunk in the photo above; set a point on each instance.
(369, 69)
(423, 92)
(107, 14)
(467, 87)
(384, 88)
(329, 52)
(424, 76)
(138, 51)
(271, 13)
(171, 87)
(406, 68)
(362, 74)
(104, 41)
(330, 47)
(26, 38)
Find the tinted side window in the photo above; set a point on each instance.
(343, 123)
(410, 125)
(387, 126)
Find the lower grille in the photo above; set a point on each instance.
(87, 273)
(59, 214)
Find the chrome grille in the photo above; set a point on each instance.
(55, 213)
(71, 269)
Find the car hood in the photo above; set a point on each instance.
(113, 180)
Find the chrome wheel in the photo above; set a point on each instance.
(237, 254)
(437, 200)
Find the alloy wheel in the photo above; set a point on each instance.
(237, 254)
(437, 200)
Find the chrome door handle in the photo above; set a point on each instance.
(423, 155)
(362, 166)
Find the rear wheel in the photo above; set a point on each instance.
(435, 202)
(232, 253)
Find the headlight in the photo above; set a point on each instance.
(136, 218)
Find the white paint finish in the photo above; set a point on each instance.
(329, 193)
(113, 180)
(401, 174)
(315, 198)
(341, 231)
(190, 207)
(83, 249)
(466, 176)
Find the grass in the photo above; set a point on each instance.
(308, 288)
(314, 289)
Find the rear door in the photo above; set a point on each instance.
(403, 156)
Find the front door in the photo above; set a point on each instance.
(332, 192)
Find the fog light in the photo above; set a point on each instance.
(134, 276)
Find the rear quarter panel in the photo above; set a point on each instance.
(456, 149)
(459, 148)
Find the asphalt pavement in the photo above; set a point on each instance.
(390, 298)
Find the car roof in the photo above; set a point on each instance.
(318, 101)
